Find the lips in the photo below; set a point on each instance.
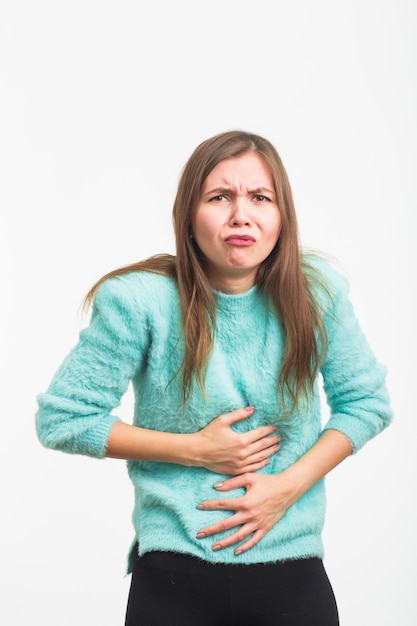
(240, 240)
(244, 237)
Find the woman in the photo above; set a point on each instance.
(224, 344)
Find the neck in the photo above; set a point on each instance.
(232, 284)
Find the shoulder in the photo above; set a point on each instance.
(136, 290)
(136, 282)
(325, 277)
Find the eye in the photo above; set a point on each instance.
(220, 198)
(260, 198)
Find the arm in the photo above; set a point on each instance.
(75, 414)
(354, 381)
(268, 496)
(216, 447)
(355, 387)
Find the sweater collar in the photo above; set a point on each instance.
(237, 302)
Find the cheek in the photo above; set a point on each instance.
(200, 228)
(279, 224)
(204, 232)
(273, 225)
(204, 224)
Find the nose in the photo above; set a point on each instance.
(239, 215)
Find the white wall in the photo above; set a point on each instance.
(101, 104)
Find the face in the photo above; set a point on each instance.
(237, 221)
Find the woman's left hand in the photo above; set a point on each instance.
(268, 496)
(266, 499)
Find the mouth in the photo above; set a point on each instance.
(240, 240)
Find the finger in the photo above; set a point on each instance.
(238, 415)
(239, 535)
(223, 504)
(254, 463)
(220, 527)
(230, 541)
(247, 469)
(261, 433)
(254, 467)
(243, 480)
(252, 541)
(263, 448)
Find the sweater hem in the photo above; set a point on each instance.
(300, 548)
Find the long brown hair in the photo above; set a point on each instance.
(284, 275)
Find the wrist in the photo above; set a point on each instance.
(190, 450)
(292, 484)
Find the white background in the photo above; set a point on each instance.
(101, 104)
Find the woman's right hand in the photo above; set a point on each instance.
(225, 451)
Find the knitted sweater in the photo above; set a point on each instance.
(133, 336)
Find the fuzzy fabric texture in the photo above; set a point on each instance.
(133, 336)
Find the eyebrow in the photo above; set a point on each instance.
(261, 190)
(221, 190)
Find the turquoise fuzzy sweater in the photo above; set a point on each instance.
(132, 337)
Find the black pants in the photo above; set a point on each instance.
(170, 589)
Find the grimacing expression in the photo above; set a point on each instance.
(237, 221)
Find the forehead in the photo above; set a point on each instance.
(246, 170)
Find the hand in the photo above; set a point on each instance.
(224, 451)
(266, 499)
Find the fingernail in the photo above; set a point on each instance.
(200, 506)
(267, 462)
(249, 408)
(200, 535)
(217, 485)
(215, 547)
(238, 552)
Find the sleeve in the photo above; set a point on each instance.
(74, 414)
(354, 382)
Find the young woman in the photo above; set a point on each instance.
(224, 344)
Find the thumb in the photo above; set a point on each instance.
(243, 480)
